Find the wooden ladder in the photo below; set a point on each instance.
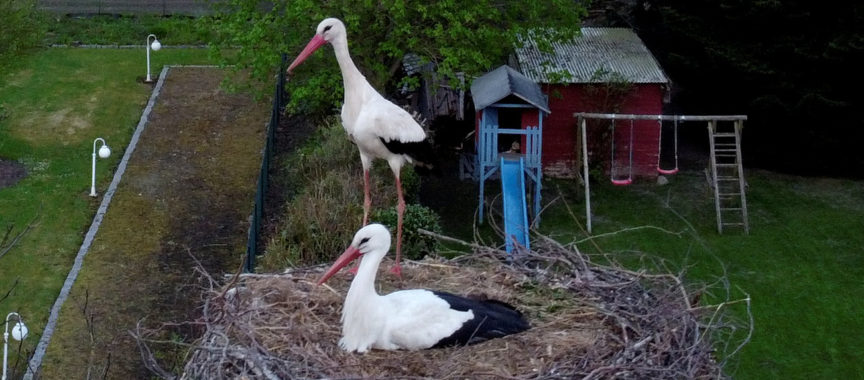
(727, 176)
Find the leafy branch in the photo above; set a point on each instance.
(456, 36)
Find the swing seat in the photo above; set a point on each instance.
(629, 179)
(660, 147)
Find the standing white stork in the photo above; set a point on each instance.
(380, 128)
(411, 319)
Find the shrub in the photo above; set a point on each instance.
(414, 244)
(317, 224)
(325, 184)
(22, 26)
(127, 30)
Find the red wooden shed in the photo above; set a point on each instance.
(605, 70)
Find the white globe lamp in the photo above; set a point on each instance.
(19, 332)
(104, 152)
(155, 45)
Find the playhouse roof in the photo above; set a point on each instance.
(503, 82)
(598, 55)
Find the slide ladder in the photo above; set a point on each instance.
(515, 207)
(727, 176)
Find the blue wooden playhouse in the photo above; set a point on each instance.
(510, 109)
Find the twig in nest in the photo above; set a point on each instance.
(147, 355)
(631, 229)
(457, 241)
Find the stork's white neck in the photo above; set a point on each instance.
(363, 285)
(361, 322)
(354, 82)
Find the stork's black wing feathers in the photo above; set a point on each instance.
(420, 152)
(492, 319)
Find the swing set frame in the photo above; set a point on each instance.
(582, 118)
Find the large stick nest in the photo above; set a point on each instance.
(588, 321)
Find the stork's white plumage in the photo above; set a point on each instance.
(411, 319)
(380, 128)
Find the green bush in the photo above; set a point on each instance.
(414, 244)
(126, 30)
(4, 113)
(317, 224)
(22, 26)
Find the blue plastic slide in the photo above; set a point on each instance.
(515, 209)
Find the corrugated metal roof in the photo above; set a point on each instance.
(503, 82)
(598, 55)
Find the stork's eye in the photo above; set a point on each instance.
(364, 240)
(326, 28)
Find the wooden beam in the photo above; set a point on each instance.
(585, 174)
(612, 116)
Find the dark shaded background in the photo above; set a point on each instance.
(793, 66)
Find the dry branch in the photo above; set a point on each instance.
(6, 245)
(11, 288)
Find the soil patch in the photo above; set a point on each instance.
(11, 172)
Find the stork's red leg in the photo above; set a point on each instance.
(367, 198)
(400, 210)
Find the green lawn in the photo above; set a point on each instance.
(802, 262)
(59, 101)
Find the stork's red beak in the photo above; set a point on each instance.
(315, 43)
(348, 256)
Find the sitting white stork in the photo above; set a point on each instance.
(411, 319)
(380, 128)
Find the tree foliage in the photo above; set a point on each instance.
(457, 36)
(21, 25)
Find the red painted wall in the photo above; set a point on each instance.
(560, 130)
(530, 118)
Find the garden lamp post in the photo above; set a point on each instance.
(104, 152)
(19, 332)
(155, 45)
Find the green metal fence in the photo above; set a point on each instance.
(261, 191)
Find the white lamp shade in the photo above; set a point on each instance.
(104, 151)
(156, 45)
(19, 331)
